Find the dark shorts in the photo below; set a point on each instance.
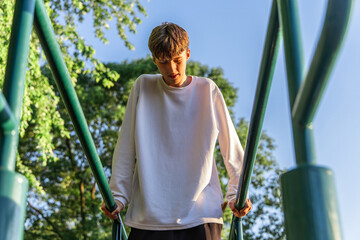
(207, 231)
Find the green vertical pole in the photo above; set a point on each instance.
(236, 232)
(302, 135)
(267, 67)
(309, 197)
(13, 88)
(66, 88)
(13, 186)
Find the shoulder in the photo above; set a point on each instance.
(145, 79)
(210, 85)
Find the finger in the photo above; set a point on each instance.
(115, 213)
(119, 205)
(112, 217)
(247, 205)
(237, 214)
(231, 205)
(234, 210)
(104, 209)
(223, 206)
(245, 211)
(250, 204)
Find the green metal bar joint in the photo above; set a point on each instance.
(308, 191)
(7, 118)
(332, 35)
(262, 93)
(302, 135)
(63, 81)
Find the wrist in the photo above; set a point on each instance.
(119, 204)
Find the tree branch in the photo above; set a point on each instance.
(55, 229)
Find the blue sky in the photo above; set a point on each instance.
(231, 34)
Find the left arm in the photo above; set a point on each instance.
(232, 152)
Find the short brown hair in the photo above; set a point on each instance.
(168, 40)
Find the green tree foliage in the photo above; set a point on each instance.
(49, 154)
(40, 106)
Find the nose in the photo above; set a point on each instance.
(172, 66)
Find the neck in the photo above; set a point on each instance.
(186, 81)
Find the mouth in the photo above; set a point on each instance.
(173, 76)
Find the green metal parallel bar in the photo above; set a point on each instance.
(7, 118)
(332, 35)
(54, 57)
(13, 88)
(14, 186)
(236, 232)
(302, 135)
(289, 20)
(309, 197)
(262, 93)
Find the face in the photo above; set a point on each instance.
(173, 70)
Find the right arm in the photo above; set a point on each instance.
(124, 154)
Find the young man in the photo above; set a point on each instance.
(163, 164)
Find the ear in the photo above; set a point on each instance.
(153, 58)
(187, 54)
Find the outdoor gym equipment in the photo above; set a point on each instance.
(309, 198)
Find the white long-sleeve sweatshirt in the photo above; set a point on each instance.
(163, 164)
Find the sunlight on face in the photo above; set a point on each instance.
(173, 70)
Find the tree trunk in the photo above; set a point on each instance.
(82, 201)
(93, 191)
